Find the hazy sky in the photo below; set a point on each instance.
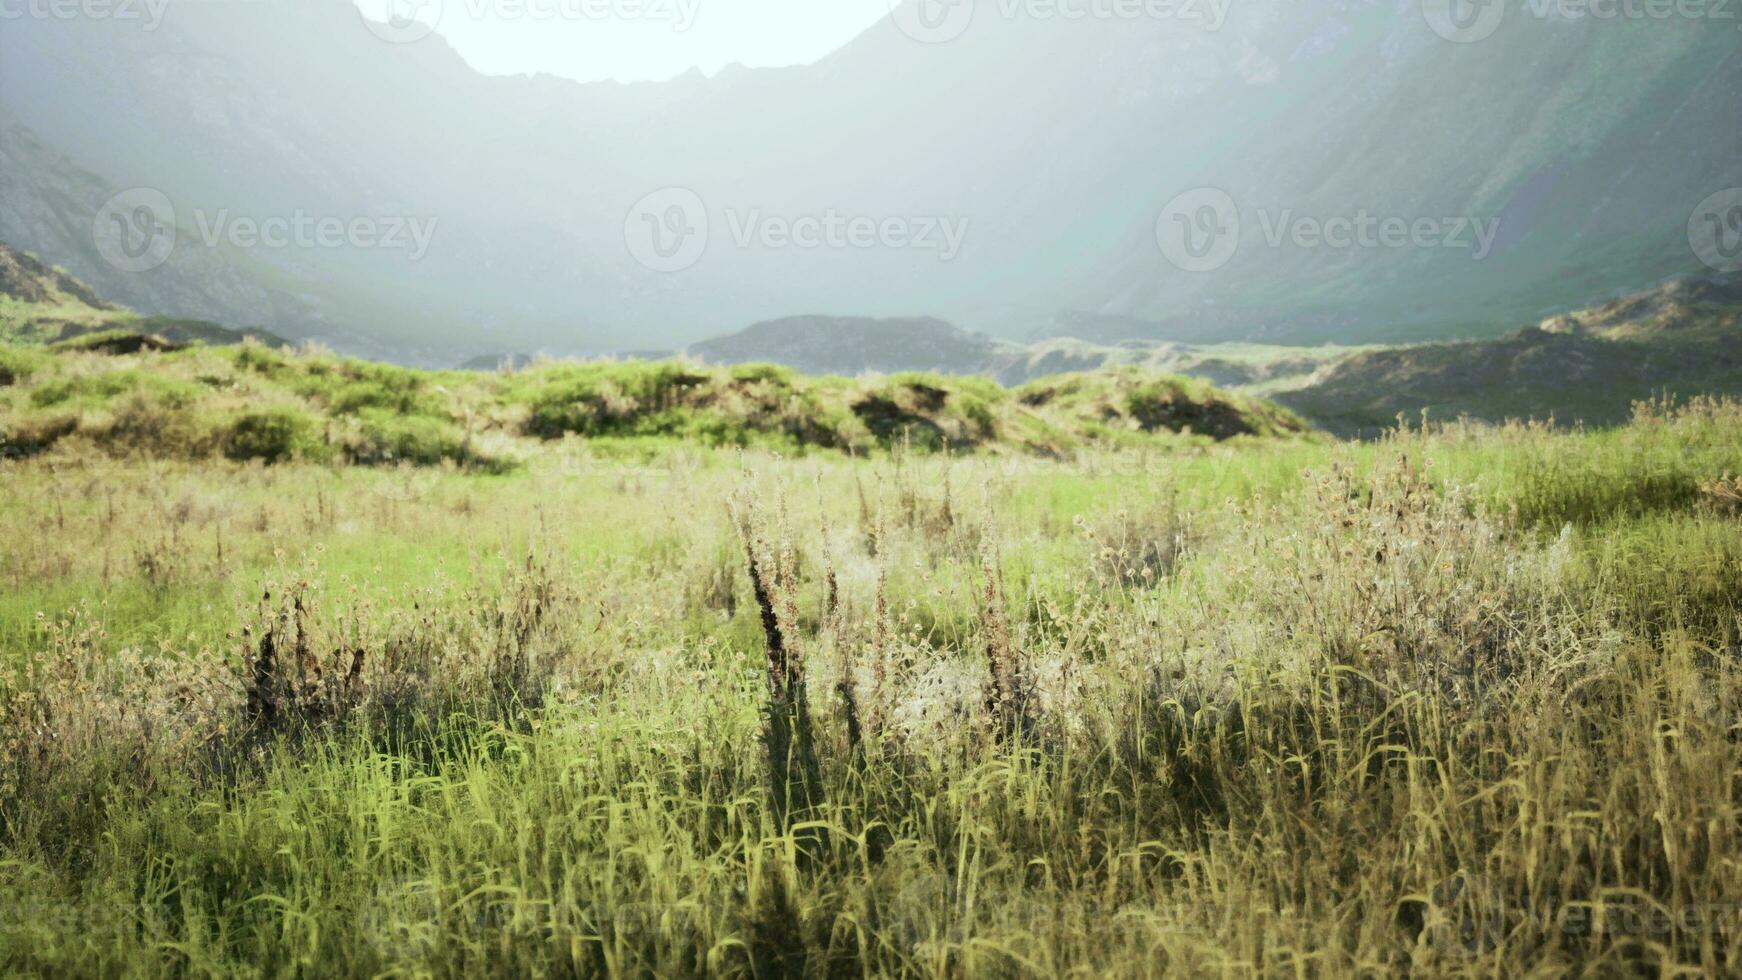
(632, 40)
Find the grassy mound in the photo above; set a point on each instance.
(127, 392)
(760, 403)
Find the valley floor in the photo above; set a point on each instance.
(1460, 702)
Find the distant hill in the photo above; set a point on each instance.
(1682, 338)
(855, 345)
(1254, 368)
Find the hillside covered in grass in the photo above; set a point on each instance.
(40, 304)
(127, 393)
(1683, 338)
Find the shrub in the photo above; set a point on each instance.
(34, 434)
(582, 407)
(254, 356)
(355, 387)
(273, 435)
(18, 365)
(389, 438)
(154, 425)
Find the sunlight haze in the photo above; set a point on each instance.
(926, 489)
(639, 40)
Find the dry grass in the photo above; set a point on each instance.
(1462, 703)
(1724, 493)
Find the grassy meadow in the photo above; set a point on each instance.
(576, 693)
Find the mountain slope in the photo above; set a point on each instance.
(31, 291)
(1055, 144)
(43, 304)
(50, 206)
(1683, 338)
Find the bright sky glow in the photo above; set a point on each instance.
(637, 40)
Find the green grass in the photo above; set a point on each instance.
(1459, 702)
(253, 401)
